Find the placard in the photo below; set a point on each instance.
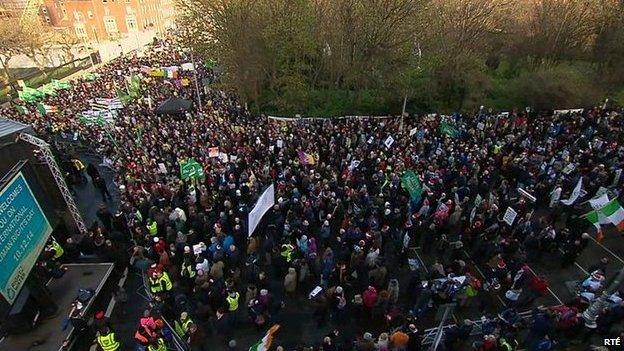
(510, 216)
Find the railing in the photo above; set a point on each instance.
(430, 334)
(178, 343)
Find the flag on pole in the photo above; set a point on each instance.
(265, 343)
(575, 193)
(594, 218)
(45, 109)
(306, 159)
(614, 213)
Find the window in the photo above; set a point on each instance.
(64, 11)
(80, 31)
(90, 14)
(110, 24)
(131, 23)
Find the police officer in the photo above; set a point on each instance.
(106, 340)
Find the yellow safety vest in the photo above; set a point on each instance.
(190, 272)
(108, 342)
(156, 284)
(58, 249)
(287, 251)
(153, 228)
(78, 164)
(232, 302)
(182, 328)
(161, 346)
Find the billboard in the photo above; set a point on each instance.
(24, 230)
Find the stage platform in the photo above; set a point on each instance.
(48, 333)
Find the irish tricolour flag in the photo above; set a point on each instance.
(606, 212)
(614, 213)
(265, 343)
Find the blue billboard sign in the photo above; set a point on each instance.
(24, 230)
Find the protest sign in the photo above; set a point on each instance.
(510, 216)
(389, 141)
(411, 183)
(213, 151)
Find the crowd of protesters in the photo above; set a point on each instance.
(341, 237)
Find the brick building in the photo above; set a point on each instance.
(101, 20)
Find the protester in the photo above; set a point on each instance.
(345, 218)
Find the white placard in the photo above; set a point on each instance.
(280, 143)
(569, 168)
(264, 203)
(480, 126)
(162, 168)
(354, 165)
(223, 157)
(413, 131)
(188, 66)
(599, 201)
(510, 216)
(233, 158)
(389, 141)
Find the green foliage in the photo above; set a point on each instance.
(341, 57)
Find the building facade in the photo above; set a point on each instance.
(104, 20)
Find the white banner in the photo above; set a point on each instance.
(264, 203)
(575, 193)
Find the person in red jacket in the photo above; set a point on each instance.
(369, 297)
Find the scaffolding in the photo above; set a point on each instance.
(45, 154)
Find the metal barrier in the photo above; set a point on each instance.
(178, 343)
(430, 334)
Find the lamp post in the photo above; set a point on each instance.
(591, 313)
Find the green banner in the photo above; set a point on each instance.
(411, 183)
(191, 169)
(449, 130)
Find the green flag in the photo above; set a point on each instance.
(411, 183)
(449, 130)
(47, 90)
